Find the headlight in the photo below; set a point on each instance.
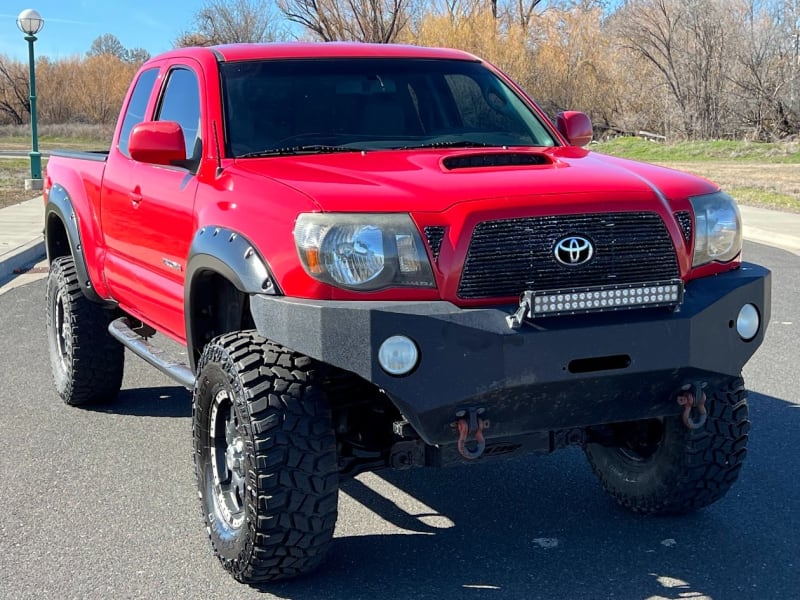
(718, 229)
(362, 252)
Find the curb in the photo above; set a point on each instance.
(23, 256)
(789, 243)
(771, 228)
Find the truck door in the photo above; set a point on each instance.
(147, 271)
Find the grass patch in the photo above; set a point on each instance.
(750, 196)
(54, 137)
(69, 136)
(715, 150)
(756, 174)
(13, 173)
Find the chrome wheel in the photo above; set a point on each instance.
(62, 328)
(227, 461)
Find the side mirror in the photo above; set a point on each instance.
(158, 143)
(575, 126)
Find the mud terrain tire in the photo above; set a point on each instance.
(265, 458)
(684, 470)
(87, 363)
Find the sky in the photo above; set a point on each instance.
(70, 26)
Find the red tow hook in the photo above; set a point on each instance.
(471, 430)
(693, 402)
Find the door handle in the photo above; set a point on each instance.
(135, 198)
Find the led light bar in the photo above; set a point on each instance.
(604, 298)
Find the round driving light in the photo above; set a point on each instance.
(398, 355)
(747, 322)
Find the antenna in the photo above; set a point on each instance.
(216, 143)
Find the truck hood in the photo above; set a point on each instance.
(434, 180)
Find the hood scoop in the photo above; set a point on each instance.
(495, 159)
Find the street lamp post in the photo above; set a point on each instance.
(30, 23)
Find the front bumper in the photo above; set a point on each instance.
(553, 373)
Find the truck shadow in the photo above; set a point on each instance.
(542, 528)
(164, 401)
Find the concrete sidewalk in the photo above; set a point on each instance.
(22, 244)
(772, 228)
(21, 239)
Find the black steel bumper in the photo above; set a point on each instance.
(553, 373)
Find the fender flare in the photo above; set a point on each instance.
(231, 255)
(59, 205)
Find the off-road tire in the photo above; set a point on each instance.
(270, 512)
(688, 469)
(87, 363)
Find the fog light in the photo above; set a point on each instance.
(398, 355)
(747, 322)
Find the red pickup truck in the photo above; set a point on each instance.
(385, 256)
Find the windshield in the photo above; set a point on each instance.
(279, 107)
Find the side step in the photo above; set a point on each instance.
(159, 358)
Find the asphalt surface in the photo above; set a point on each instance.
(101, 503)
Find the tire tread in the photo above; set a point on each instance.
(697, 469)
(294, 473)
(94, 373)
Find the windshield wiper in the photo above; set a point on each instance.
(292, 150)
(451, 144)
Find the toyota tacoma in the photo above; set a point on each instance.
(379, 256)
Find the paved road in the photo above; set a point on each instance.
(101, 503)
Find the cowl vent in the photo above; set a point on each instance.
(495, 159)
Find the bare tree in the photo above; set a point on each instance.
(757, 79)
(459, 10)
(109, 44)
(690, 43)
(575, 61)
(103, 80)
(522, 11)
(787, 101)
(193, 38)
(691, 68)
(454, 9)
(379, 21)
(232, 22)
(14, 90)
(136, 56)
(58, 89)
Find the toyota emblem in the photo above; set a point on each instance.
(573, 250)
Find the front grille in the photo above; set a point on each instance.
(684, 218)
(508, 257)
(434, 234)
